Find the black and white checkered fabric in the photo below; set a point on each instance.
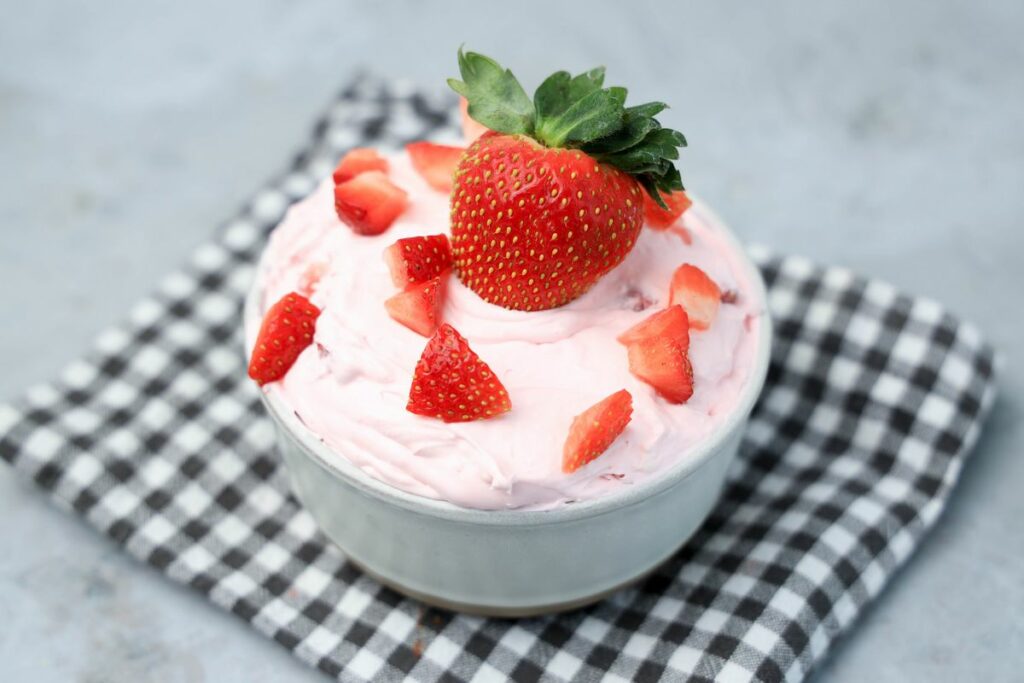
(157, 438)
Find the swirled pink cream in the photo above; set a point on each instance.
(351, 386)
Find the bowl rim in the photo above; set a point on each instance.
(341, 467)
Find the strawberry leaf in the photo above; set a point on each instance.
(560, 90)
(552, 97)
(586, 83)
(634, 129)
(496, 99)
(594, 116)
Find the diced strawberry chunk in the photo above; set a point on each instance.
(663, 363)
(452, 384)
(697, 293)
(659, 353)
(594, 430)
(359, 160)
(286, 331)
(436, 163)
(418, 259)
(419, 306)
(671, 322)
(659, 218)
(471, 129)
(369, 203)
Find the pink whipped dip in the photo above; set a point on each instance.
(351, 386)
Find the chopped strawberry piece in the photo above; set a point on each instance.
(697, 293)
(659, 353)
(452, 384)
(663, 363)
(419, 306)
(369, 203)
(287, 329)
(471, 129)
(594, 430)
(436, 163)
(359, 160)
(671, 322)
(659, 218)
(418, 259)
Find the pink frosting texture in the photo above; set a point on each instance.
(350, 387)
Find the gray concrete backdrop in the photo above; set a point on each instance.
(888, 137)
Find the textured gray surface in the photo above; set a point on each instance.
(885, 137)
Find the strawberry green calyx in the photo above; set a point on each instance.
(575, 112)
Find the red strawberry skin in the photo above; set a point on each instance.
(594, 430)
(359, 160)
(436, 163)
(697, 293)
(287, 329)
(659, 349)
(452, 384)
(419, 306)
(533, 227)
(671, 322)
(664, 364)
(417, 259)
(659, 218)
(369, 203)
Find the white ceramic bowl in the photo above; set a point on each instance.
(513, 562)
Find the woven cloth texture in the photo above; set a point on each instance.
(157, 439)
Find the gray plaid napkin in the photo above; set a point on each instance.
(157, 438)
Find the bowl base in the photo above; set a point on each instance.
(503, 612)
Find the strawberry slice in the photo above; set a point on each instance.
(594, 430)
(471, 129)
(659, 218)
(419, 306)
(359, 160)
(287, 329)
(452, 384)
(436, 163)
(418, 259)
(697, 293)
(671, 322)
(663, 363)
(369, 203)
(659, 353)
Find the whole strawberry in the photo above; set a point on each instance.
(552, 199)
